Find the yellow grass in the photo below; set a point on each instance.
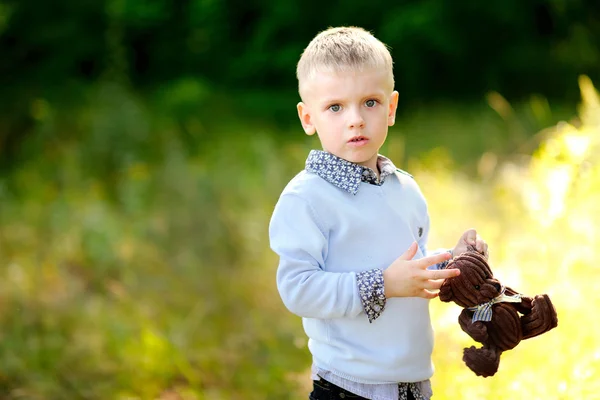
(541, 219)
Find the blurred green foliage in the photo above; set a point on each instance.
(441, 47)
(457, 51)
(144, 144)
(134, 247)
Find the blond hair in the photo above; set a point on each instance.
(343, 49)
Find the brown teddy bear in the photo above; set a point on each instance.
(491, 312)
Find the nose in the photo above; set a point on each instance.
(356, 120)
(497, 286)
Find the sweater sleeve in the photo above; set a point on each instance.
(298, 236)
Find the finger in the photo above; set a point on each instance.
(425, 262)
(433, 284)
(441, 274)
(480, 244)
(470, 236)
(426, 294)
(410, 253)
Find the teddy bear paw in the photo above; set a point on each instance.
(484, 362)
(478, 331)
(541, 319)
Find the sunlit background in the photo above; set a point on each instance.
(143, 146)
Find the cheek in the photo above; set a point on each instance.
(379, 116)
(326, 119)
(333, 125)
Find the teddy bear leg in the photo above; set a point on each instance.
(541, 319)
(483, 361)
(477, 330)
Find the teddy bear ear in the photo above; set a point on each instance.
(446, 293)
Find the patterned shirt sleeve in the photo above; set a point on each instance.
(444, 263)
(372, 293)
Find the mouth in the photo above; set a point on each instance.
(358, 140)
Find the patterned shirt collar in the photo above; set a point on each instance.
(344, 174)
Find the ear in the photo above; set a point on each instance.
(305, 119)
(446, 293)
(392, 108)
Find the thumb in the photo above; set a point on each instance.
(470, 236)
(410, 253)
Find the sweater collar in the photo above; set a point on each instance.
(344, 174)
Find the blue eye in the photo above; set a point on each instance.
(370, 103)
(335, 108)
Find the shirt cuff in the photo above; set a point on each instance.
(444, 263)
(372, 293)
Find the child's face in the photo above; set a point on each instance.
(350, 111)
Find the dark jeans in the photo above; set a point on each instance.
(323, 390)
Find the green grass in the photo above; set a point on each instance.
(134, 242)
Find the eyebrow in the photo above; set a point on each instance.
(330, 101)
(369, 96)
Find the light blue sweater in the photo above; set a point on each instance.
(324, 237)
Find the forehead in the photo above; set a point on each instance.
(329, 83)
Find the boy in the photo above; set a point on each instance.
(339, 227)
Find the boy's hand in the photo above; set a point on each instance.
(470, 237)
(411, 278)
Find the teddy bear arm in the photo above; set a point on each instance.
(541, 319)
(525, 306)
(477, 330)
